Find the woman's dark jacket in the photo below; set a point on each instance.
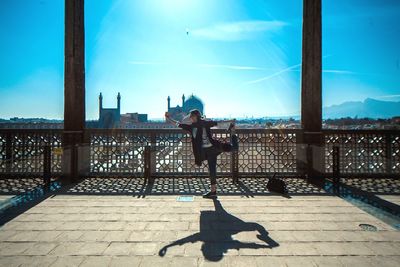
(197, 142)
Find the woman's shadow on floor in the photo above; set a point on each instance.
(216, 231)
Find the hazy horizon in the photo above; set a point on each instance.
(286, 116)
(241, 58)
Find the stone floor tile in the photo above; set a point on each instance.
(118, 236)
(121, 261)
(12, 261)
(242, 261)
(385, 261)
(148, 261)
(299, 261)
(356, 261)
(93, 249)
(38, 261)
(96, 261)
(328, 261)
(68, 249)
(145, 248)
(118, 248)
(40, 249)
(14, 248)
(384, 248)
(47, 236)
(185, 261)
(67, 236)
(21, 236)
(88, 236)
(68, 261)
(224, 262)
(270, 261)
(5, 235)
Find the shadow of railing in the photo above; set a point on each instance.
(381, 186)
(17, 204)
(17, 186)
(247, 186)
(368, 199)
(138, 187)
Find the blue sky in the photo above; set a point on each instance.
(242, 58)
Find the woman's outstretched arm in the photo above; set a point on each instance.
(224, 121)
(169, 119)
(177, 123)
(212, 123)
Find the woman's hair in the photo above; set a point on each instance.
(197, 113)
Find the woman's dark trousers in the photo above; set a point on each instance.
(211, 154)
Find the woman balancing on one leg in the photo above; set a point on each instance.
(204, 146)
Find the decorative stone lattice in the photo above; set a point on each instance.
(267, 152)
(362, 152)
(2, 152)
(26, 150)
(395, 153)
(117, 152)
(261, 151)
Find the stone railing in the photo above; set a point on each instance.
(168, 152)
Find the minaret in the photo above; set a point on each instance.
(183, 101)
(119, 103)
(100, 104)
(169, 103)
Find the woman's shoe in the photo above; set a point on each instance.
(210, 194)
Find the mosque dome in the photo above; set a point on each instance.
(193, 102)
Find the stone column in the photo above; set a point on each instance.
(74, 91)
(311, 139)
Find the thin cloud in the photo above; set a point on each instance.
(148, 63)
(336, 71)
(273, 75)
(237, 30)
(293, 68)
(232, 67)
(388, 96)
(220, 66)
(339, 71)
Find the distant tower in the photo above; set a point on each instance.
(169, 103)
(119, 102)
(183, 101)
(100, 103)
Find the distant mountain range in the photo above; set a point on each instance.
(370, 108)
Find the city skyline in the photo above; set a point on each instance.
(241, 59)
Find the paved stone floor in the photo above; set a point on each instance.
(157, 230)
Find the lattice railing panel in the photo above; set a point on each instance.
(26, 150)
(267, 152)
(395, 153)
(360, 152)
(261, 151)
(3, 152)
(117, 151)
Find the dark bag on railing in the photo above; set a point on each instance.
(277, 185)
